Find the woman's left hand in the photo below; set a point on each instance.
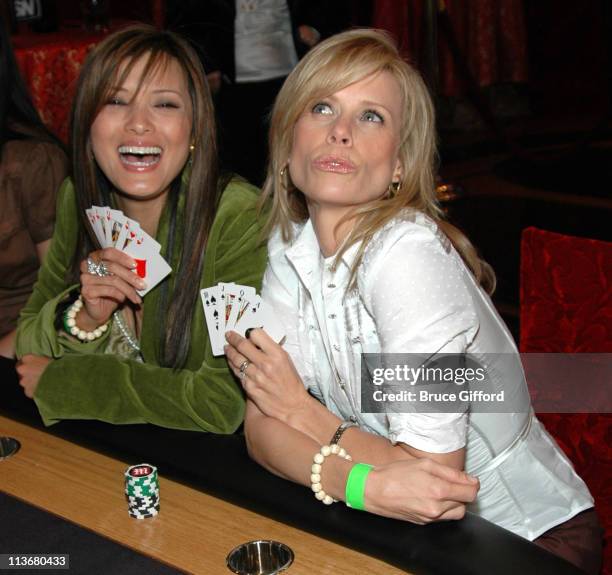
(30, 368)
(269, 378)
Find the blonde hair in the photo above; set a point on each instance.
(334, 64)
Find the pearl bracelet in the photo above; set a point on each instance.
(73, 329)
(317, 465)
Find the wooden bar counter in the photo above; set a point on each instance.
(193, 532)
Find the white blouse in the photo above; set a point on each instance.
(415, 295)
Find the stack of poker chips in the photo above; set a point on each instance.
(142, 491)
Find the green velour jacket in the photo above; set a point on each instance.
(82, 382)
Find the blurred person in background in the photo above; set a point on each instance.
(32, 167)
(248, 48)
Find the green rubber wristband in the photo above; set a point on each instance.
(355, 485)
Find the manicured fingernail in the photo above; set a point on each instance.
(133, 265)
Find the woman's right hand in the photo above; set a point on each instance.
(102, 295)
(419, 490)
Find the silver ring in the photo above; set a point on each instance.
(243, 367)
(92, 267)
(103, 270)
(97, 269)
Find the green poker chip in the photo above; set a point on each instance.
(142, 491)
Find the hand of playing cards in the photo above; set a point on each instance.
(115, 230)
(234, 307)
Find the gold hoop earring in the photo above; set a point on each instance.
(284, 169)
(393, 188)
(284, 176)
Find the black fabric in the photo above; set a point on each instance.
(244, 109)
(220, 465)
(26, 529)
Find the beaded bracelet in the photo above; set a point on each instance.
(317, 465)
(73, 329)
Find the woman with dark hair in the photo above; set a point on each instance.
(143, 141)
(32, 167)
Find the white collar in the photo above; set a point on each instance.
(304, 252)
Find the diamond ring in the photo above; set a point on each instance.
(96, 269)
(243, 367)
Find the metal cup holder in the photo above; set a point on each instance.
(8, 446)
(260, 558)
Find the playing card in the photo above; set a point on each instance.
(100, 218)
(240, 296)
(150, 265)
(210, 301)
(107, 224)
(139, 239)
(98, 212)
(129, 232)
(95, 224)
(226, 301)
(260, 314)
(117, 224)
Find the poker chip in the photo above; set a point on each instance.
(142, 491)
(142, 500)
(147, 515)
(148, 511)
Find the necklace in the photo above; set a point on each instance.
(248, 5)
(125, 331)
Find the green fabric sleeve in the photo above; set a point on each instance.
(204, 396)
(116, 390)
(36, 332)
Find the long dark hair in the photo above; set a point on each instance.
(107, 66)
(18, 117)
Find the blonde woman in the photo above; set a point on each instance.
(360, 260)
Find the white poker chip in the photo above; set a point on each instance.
(144, 515)
(143, 510)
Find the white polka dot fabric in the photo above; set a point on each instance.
(415, 295)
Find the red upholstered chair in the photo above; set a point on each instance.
(566, 306)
